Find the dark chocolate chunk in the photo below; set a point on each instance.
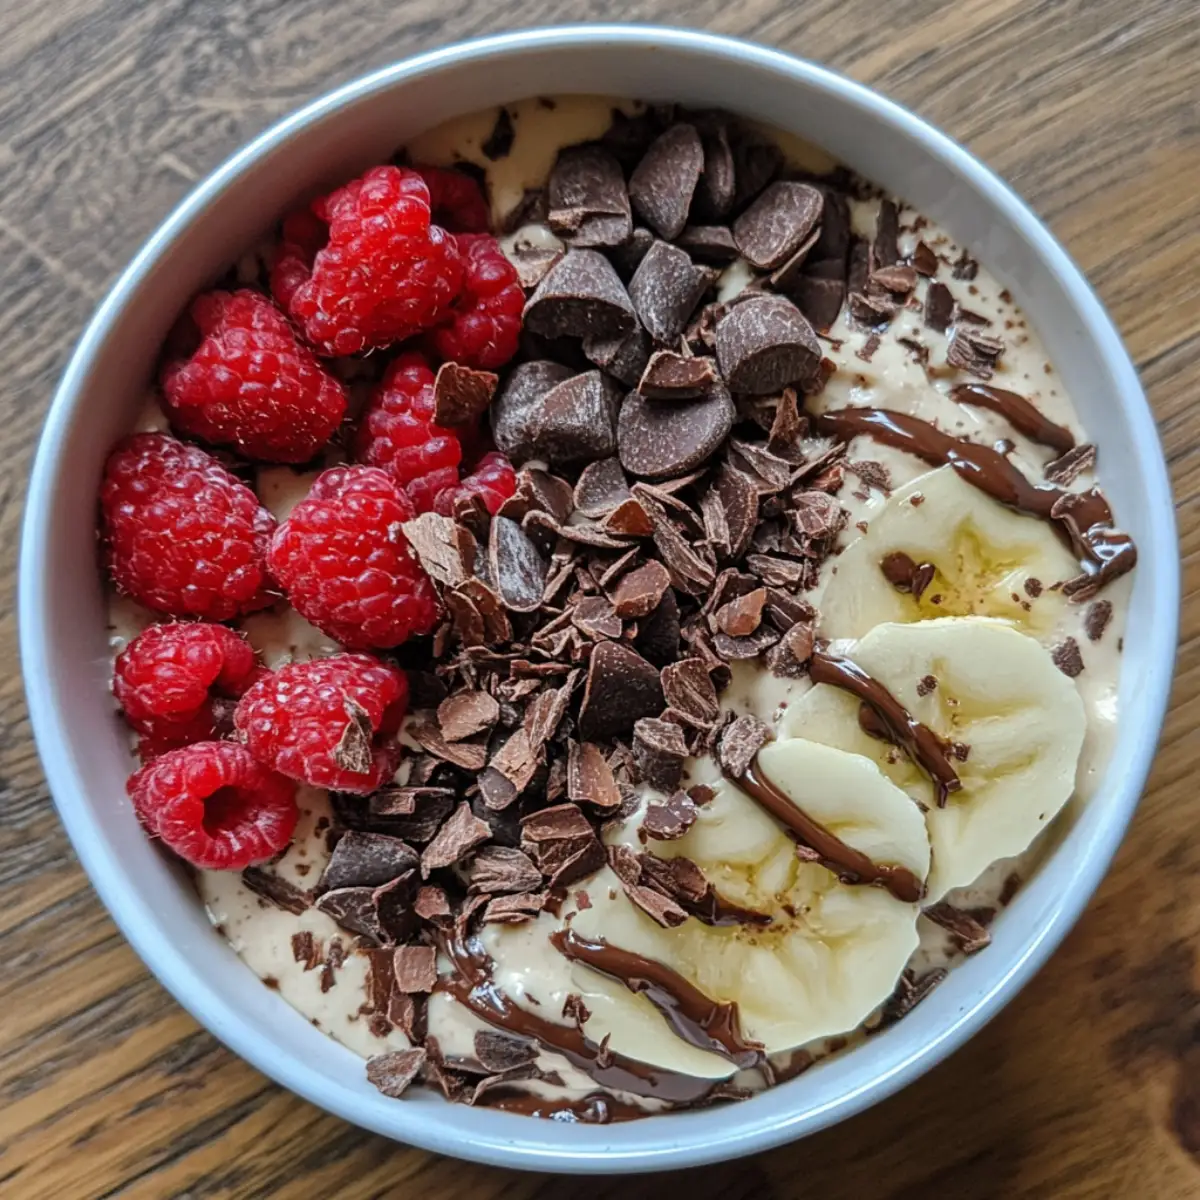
(516, 761)
(517, 408)
(463, 715)
(751, 646)
(627, 866)
(690, 692)
(503, 1052)
(367, 860)
(499, 142)
(819, 299)
(718, 184)
(564, 844)
(623, 357)
(594, 616)
(659, 750)
(816, 514)
(939, 306)
(461, 394)
(470, 756)
(975, 353)
(353, 908)
(692, 570)
(590, 778)
(587, 203)
(601, 488)
(756, 162)
(499, 869)
(740, 741)
(392, 1073)
(626, 258)
(739, 498)
(778, 223)
(672, 376)
(665, 290)
(789, 657)
(899, 278)
(1067, 657)
(512, 910)
(740, 617)
(658, 634)
(658, 441)
(964, 266)
(456, 838)
(414, 968)
(764, 343)
(671, 819)
(572, 419)
(517, 567)
(621, 687)
(709, 243)
(663, 183)
(533, 263)
(582, 296)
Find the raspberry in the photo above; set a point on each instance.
(485, 325)
(398, 433)
(251, 384)
(182, 536)
(456, 199)
(493, 481)
(345, 564)
(330, 722)
(167, 679)
(215, 806)
(384, 274)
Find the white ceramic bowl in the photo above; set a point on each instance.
(62, 612)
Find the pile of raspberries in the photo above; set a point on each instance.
(402, 259)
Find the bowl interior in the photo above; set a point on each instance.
(63, 622)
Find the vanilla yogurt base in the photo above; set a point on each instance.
(334, 999)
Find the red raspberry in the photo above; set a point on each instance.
(330, 722)
(251, 384)
(346, 565)
(398, 433)
(456, 199)
(384, 274)
(182, 536)
(215, 806)
(167, 678)
(485, 326)
(493, 481)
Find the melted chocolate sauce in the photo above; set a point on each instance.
(1018, 412)
(715, 910)
(850, 865)
(1084, 518)
(472, 985)
(918, 741)
(700, 1021)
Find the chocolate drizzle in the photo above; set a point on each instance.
(707, 1024)
(848, 864)
(918, 741)
(1084, 518)
(473, 986)
(1023, 416)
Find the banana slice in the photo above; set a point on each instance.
(988, 560)
(830, 957)
(981, 683)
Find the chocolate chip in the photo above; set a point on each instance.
(976, 353)
(621, 687)
(627, 866)
(367, 860)
(718, 183)
(499, 869)
(601, 488)
(665, 290)
(709, 243)
(457, 837)
(671, 819)
(465, 714)
(589, 777)
(582, 296)
(414, 968)
(623, 357)
(1070, 466)
(517, 567)
(277, 890)
(1067, 658)
(445, 549)
(586, 198)
(689, 691)
(1096, 619)
(774, 227)
(392, 1073)
(658, 440)
(461, 394)
(764, 343)
(638, 592)
(659, 750)
(672, 376)
(740, 741)
(546, 412)
(663, 183)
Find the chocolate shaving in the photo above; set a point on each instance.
(444, 548)
(353, 750)
(967, 932)
(790, 656)
(502, 1051)
(638, 592)
(353, 908)
(742, 616)
(456, 838)
(663, 183)
(690, 692)
(470, 756)
(513, 910)
(595, 616)
(590, 778)
(621, 687)
(414, 968)
(910, 991)
(659, 751)
(689, 571)
(563, 843)
(1096, 619)
(516, 761)
(461, 394)
(740, 741)
(465, 714)
(431, 903)
(392, 1073)
(278, 891)
(627, 866)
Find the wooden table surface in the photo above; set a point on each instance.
(1089, 1084)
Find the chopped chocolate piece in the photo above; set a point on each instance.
(564, 844)
(663, 183)
(457, 837)
(817, 514)
(469, 755)
(596, 617)
(353, 908)
(628, 519)
(517, 408)
(962, 926)
(587, 535)
(601, 487)
(274, 888)
(1067, 658)
(392, 1073)
(658, 634)
(926, 685)
(769, 472)
(574, 1009)
(590, 778)
(637, 593)
(939, 307)
(657, 440)
(898, 569)
(512, 910)
(787, 425)
(581, 296)
(660, 752)
(717, 187)
(627, 866)
(517, 567)
(571, 420)
(516, 761)
(672, 376)
(498, 869)
(924, 260)
(431, 903)
(367, 860)
(818, 298)
(1065, 470)
(764, 343)
(690, 693)
(431, 807)
(965, 267)
(485, 604)
(414, 968)
(709, 243)
(872, 309)
(716, 523)
(739, 498)
(670, 820)
(910, 991)
(900, 279)
(499, 142)
(497, 791)
(626, 257)
(885, 248)
(789, 657)
(621, 687)
(587, 204)
(757, 160)
(740, 741)
(750, 646)
(689, 571)
(502, 1051)
(742, 616)
(975, 353)
(545, 713)
(624, 357)
(461, 394)
(444, 548)
(774, 227)
(465, 714)
(665, 290)
(533, 263)
(1096, 619)
(305, 950)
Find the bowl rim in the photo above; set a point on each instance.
(206, 1004)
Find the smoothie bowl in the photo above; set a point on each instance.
(640, 589)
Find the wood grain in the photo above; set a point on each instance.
(1089, 1084)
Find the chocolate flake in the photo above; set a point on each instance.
(764, 343)
(621, 687)
(671, 819)
(502, 1051)
(500, 869)
(665, 290)
(601, 488)
(590, 778)
(457, 837)
(305, 951)
(660, 752)
(461, 394)
(773, 228)
(586, 198)
(563, 843)
(513, 910)
(444, 548)
(740, 741)
(657, 440)
(467, 713)
(367, 860)
(353, 908)
(353, 751)
(789, 657)
(672, 376)
(470, 756)
(910, 991)
(663, 183)
(743, 615)
(924, 260)
(431, 903)
(392, 1073)
(638, 592)
(690, 572)
(517, 566)
(690, 692)
(1067, 657)
(414, 968)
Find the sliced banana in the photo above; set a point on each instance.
(831, 956)
(989, 561)
(981, 683)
